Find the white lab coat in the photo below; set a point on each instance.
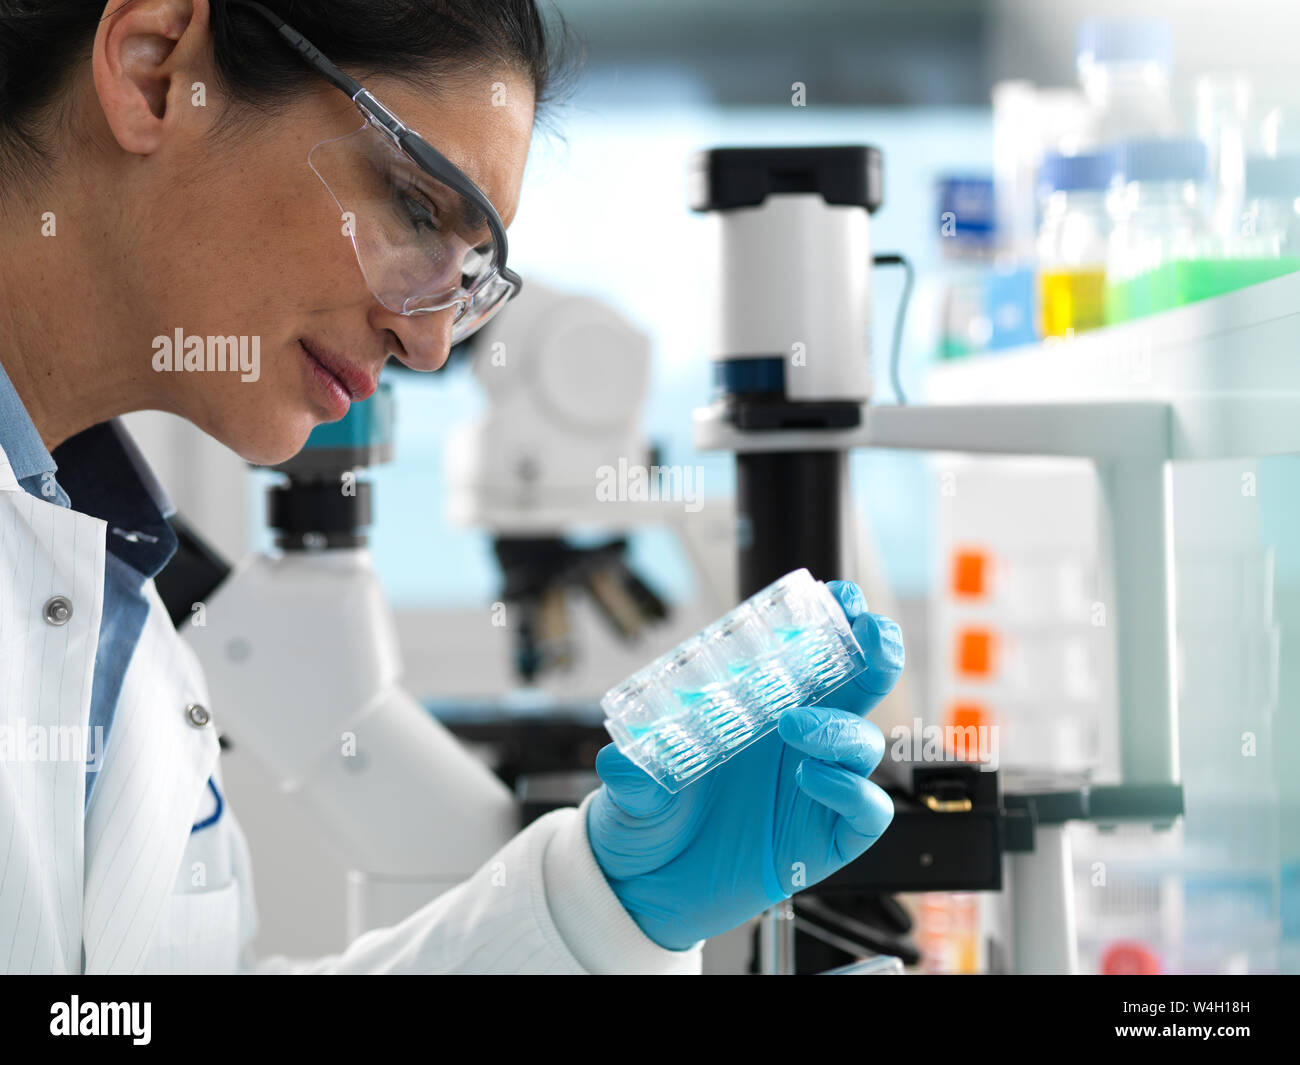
(127, 886)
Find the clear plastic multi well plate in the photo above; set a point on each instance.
(722, 689)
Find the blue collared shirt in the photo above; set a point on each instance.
(105, 473)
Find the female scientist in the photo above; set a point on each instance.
(202, 164)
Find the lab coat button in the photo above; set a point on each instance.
(57, 610)
(198, 715)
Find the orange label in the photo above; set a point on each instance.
(969, 573)
(967, 715)
(975, 652)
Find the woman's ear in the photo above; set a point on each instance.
(145, 55)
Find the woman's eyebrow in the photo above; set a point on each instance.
(473, 216)
(472, 219)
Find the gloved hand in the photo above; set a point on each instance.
(781, 815)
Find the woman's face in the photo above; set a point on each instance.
(240, 238)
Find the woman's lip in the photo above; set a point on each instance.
(358, 384)
(339, 400)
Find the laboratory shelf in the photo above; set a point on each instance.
(1227, 367)
(1215, 379)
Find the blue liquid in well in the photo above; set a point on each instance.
(694, 700)
(711, 722)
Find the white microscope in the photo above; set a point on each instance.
(790, 357)
(561, 448)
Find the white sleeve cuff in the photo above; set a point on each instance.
(595, 927)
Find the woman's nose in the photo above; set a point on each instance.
(425, 338)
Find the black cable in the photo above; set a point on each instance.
(909, 276)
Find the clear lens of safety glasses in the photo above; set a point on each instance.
(422, 245)
(482, 306)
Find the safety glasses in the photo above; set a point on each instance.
(425, 236)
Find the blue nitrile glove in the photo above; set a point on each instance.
(779, 816)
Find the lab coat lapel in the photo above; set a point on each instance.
(144, 803)
(155, 766)
(46, 671)
(8, 482)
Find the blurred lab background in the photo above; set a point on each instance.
(998, 122)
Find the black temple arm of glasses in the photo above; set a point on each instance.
(411, 142)
(303, 47)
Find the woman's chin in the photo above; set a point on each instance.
(262, 448)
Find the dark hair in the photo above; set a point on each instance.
(421, 40)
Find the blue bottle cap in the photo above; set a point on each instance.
(1161, 159)
(1075, 173)
(1275, 177)
(1124, 40)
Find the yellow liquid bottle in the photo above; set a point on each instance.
(1072, 242)
(1071, 301)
